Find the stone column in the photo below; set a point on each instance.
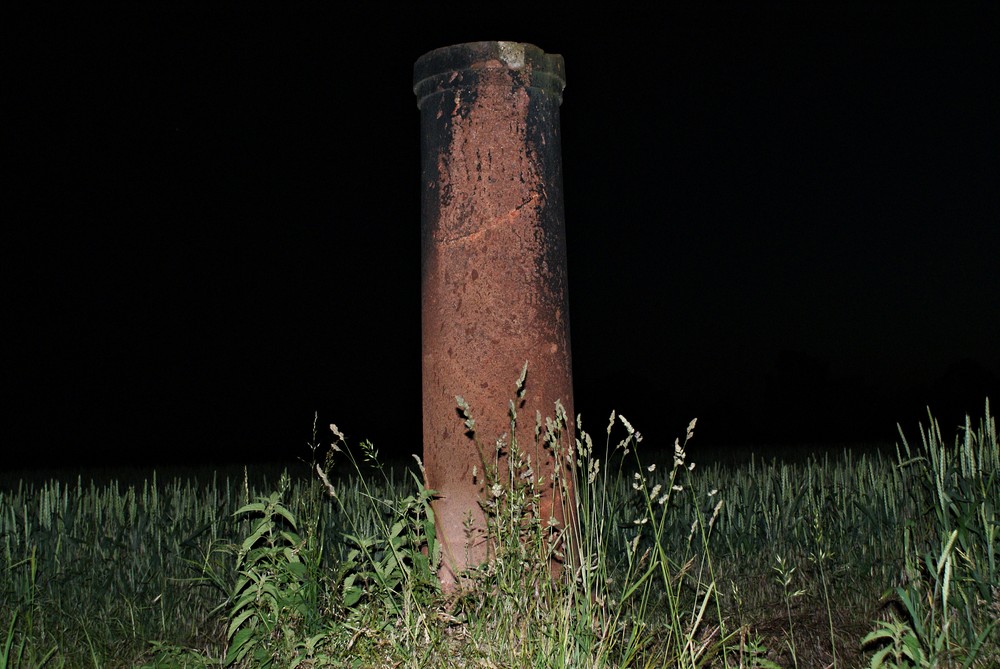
(494, 288)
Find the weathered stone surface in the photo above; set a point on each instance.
(494, 285)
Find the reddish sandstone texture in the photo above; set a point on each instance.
(494, 287)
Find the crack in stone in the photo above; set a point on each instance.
(494, 224)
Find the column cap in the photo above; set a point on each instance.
(438, 70)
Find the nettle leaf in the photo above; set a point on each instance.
(259, 531)
(244, 605)
(298, 570)
(913, 649)
(287, 515)
(352, 594)
(291, 537)
(241, 582)
(240, 646)
(878, 659)
(237, 623)
(256, 507)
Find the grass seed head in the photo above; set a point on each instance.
(628, 425)
(337, 433)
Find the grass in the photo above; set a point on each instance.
(852, 560)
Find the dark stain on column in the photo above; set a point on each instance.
(494, 287)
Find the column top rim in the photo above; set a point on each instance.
(543, 70)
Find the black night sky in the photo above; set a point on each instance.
(785, 223)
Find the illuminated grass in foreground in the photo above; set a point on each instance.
(849, 561)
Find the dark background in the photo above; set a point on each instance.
(782, 222)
